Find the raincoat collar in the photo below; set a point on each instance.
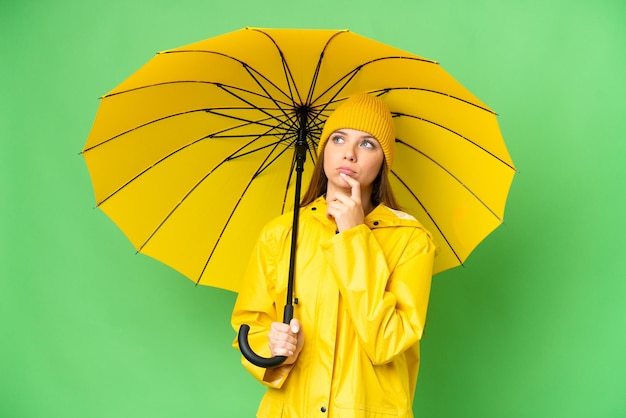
(381, 217)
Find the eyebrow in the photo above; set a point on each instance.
(341, 131)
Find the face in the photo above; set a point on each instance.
(354, 153)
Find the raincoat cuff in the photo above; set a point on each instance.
(275, 377)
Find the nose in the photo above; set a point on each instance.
(349, 155)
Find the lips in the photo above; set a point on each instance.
(345, 170)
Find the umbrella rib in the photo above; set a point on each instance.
(286, 70)
(165, 157)
(313, 157)
(351, 74)
(429, 216)
(311, 150)
(213, 83)
(332, 100)
(264, 166)
(268, 96)
(260, 169)
(316, 73)
(213, 111)
(194, 187)
(399, 141)
(398, 114)
(386, 90)
(284, 124)
(260, 122)
(247, 67)
(319, 66)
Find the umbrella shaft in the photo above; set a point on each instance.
(301, 148)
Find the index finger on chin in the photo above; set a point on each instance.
(355, 187)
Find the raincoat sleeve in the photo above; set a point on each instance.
(387, 308)
(256, 306)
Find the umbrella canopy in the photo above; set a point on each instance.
(194, 153)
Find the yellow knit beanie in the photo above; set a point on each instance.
(366, 113)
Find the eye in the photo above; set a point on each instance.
(337, 139)
(366, 143)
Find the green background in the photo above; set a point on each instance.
(533, 325)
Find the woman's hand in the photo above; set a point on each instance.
(346, 210)
(286, 340)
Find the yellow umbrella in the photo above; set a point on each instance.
(194, 152)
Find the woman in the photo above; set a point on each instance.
(363, 274)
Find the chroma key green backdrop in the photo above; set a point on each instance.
(533, 326)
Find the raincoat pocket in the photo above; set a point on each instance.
(272, 405)
(367, 411)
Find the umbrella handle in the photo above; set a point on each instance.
(250, 355)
